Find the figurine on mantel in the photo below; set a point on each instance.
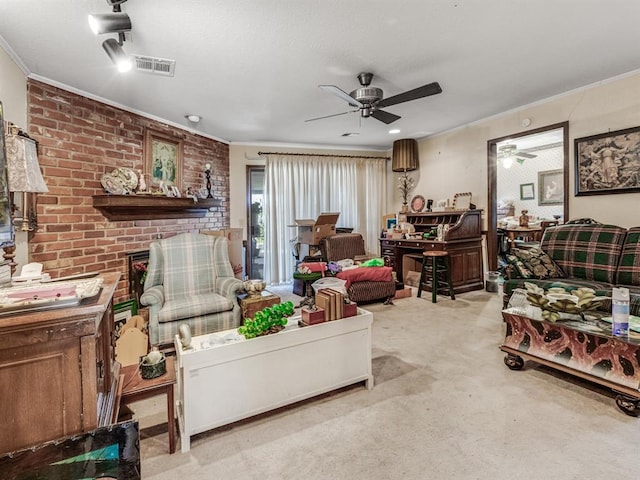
(524, 219)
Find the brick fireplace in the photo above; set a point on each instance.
(79, 140)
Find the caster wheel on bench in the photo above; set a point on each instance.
(628, 405)
(514, 362)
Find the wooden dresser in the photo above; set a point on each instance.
(463, 241)
(57, 373)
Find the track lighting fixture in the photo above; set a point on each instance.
(118, 22)
(117, 55)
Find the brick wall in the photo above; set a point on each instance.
(80, 139)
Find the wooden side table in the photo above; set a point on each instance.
(250, 304)
(136, 388)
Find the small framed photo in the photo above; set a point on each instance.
(527, 191)
(122, 312)
(163, 159)
(551, 187)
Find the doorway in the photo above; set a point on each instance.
(255, 221)
(527, 171)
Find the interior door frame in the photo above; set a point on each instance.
(492, 164)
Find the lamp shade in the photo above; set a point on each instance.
(405, 155)
(22, 166)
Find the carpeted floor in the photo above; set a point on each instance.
(444, 406)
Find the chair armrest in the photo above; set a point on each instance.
(153, 296)
(228, 286)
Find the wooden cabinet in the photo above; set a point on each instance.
(463, 241)
(57, 370)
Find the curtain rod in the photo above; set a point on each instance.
(321, 155)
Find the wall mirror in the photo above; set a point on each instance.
(6, 223)
(527, 171)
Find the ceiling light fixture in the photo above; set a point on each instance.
(117, 55)
(118, 22)
(394, 131)
(193, 118)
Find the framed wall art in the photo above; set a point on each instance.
(608, 162)
(6, 223)
(551, 187)
(163, 159)
(527, 191)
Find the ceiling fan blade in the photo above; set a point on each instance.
(420, 92)
(385, 117)
(525, 155)
(342, 94)
(334, 115)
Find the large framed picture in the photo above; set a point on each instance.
(551, 187)
(608, 162)
(6, 223)
(163, 160)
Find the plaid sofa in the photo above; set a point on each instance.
(591, 255)
(190, 280)
(351, 245)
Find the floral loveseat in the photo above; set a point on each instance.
(581, 255)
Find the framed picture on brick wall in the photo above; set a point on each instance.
(163, 160)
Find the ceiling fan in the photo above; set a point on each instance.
(510, 150)
(369, 100)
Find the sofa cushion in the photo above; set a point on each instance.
(629, 266)
(533, 263)
(586, 251)
(193, 305)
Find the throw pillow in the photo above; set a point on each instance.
(519, 267)
(538, 263)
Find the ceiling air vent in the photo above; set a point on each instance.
(157, 66)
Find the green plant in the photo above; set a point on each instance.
(268, 320)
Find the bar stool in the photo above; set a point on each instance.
(440, 263)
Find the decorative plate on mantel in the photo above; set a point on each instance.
(113, 185)
(417, 204)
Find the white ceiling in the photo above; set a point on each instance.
(251, 68)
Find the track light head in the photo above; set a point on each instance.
(109, 23)
(117, 55)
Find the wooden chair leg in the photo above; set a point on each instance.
(423, 275)
(449, 280)
(434, 280)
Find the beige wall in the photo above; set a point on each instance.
(13, 94)
(457, 161)
(242, 155)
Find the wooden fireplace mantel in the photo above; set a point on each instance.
(151, 207)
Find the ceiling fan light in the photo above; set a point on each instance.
(109, 23)
(117, 55)
(405, 155)
(507, 162)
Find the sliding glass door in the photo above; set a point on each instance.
(255, 221)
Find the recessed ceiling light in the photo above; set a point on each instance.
(394, 131)
(193, 118)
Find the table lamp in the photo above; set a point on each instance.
(404, 158)
(24, 175)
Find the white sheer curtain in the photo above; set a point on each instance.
(302, 186)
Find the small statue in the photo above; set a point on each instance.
(524, 219)
(142, 185)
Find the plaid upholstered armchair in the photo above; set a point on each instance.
(190, 280)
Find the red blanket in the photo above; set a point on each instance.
(372, 274)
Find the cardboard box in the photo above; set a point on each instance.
(312, 231)
(234, 238)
